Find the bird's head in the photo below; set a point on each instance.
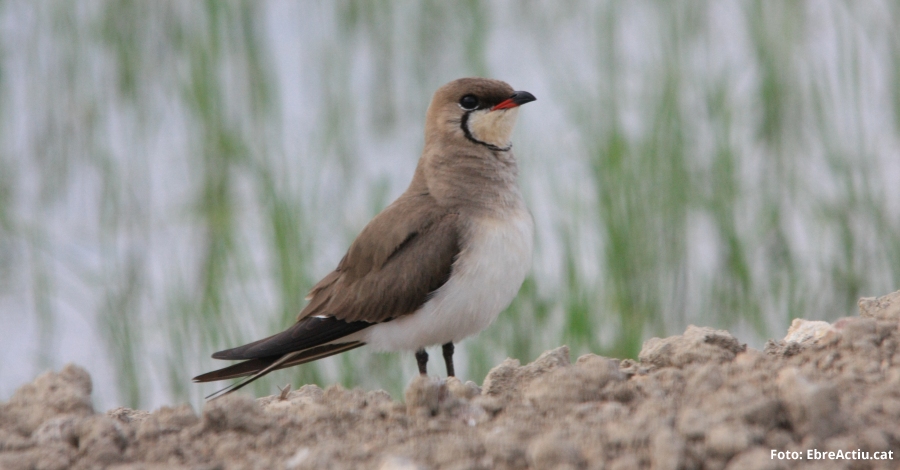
(475, 111)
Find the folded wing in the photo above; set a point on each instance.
(399, 260)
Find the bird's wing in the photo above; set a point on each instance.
(306, 333)
(401, 257)
(392, 268)
(396, 263)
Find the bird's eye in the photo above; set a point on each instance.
(468, 102)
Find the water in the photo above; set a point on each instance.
(175, 176)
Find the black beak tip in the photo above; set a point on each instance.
(522, 97)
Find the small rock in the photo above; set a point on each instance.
(67, 392)
(807, 332)
(695, 345)
(573, 384)
(886, 307)
(501, 380)
(508, 379)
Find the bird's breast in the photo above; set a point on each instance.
(494, 259)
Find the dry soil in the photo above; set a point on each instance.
(699, 400)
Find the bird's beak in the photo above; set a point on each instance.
(517, 99)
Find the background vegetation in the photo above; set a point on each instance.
(174, 176)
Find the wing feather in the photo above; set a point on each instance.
(403, 256)
(307, 333)
(393, 267)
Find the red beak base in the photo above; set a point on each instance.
(505, 104)
(517, 99)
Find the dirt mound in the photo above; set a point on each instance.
(699, 400)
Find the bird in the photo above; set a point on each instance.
(437, 265)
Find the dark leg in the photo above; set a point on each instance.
(448, 359)
(422, 359)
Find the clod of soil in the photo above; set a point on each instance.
(699, 400)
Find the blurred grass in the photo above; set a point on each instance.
(709, 163)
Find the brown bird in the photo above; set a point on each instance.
(438, 264)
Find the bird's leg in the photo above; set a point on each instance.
(448, 359)
(422, 359)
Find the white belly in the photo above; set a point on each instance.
(486, 277)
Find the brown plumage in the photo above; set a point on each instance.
(409, 251)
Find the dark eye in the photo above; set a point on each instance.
(468, 102)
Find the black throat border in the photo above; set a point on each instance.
(464, 124)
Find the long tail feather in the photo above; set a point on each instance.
(257, 368)
(241, 369)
